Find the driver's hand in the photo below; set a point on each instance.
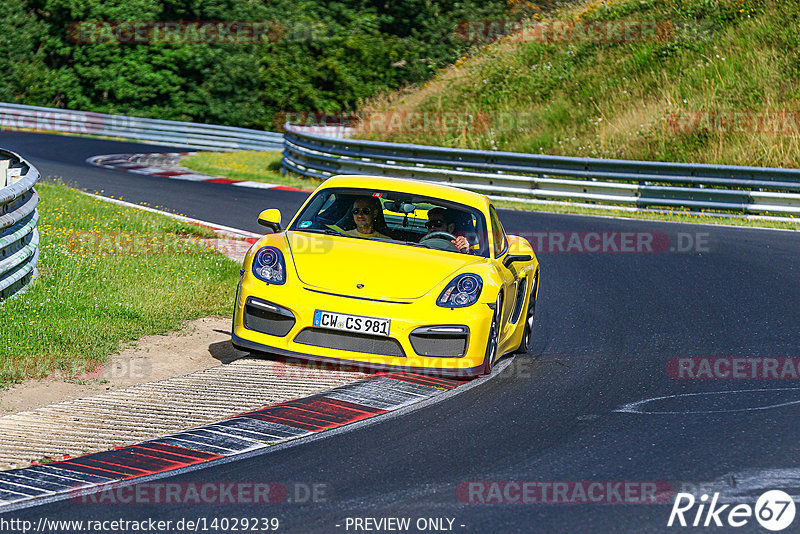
(461, 243)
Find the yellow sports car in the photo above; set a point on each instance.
(391, 274)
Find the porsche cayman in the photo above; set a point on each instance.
(390, 274)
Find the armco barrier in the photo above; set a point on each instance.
(537, 177)
(19, 238)
(174, 133)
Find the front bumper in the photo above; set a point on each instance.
(244, 344)
(410, 320)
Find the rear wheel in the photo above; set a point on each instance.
(494, 337)
(527, 332)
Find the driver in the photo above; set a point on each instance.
(365, 212)
(440, 220)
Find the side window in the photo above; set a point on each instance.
(498, 234)
(328, 203)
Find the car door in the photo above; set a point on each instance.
(509, 276)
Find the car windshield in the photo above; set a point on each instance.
(396, 217)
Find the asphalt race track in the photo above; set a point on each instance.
(607, 325)
(65, 158)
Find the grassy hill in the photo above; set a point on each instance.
(714, 81)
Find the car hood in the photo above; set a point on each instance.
(386, 271)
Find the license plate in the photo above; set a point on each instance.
(352, 323)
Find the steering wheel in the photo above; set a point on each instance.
(440, 241)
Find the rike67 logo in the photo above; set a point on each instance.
(774, 510)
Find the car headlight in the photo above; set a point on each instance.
(269, 266)
(461, 292)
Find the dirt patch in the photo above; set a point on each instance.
(197, 345)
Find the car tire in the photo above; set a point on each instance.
(527, 332)
(493, 340)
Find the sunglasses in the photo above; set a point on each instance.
(359, 211)
(435, 224)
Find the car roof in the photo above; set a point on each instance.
(416, 187)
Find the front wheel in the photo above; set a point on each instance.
(494, 337)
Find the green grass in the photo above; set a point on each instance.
(247, 165)
(618, 99)
(635, 99)
(108, 275)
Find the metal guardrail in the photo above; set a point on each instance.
(19, 238)
(537, 177)
(174, 133)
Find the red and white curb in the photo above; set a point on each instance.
(259, 429)
(164, 165)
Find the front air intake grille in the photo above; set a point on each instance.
(267, 318)
(331, 339)
(440, 347)
(440, 341)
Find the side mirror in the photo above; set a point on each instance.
(271, 219)
(513, 258)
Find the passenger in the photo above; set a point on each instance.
(365, 214)
(441, 220)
